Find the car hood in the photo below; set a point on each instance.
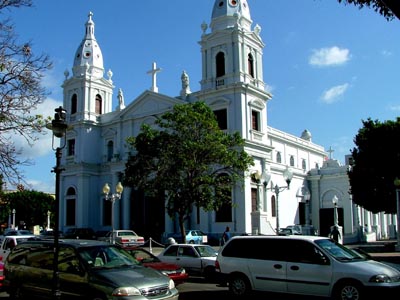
(162, 266)
(137, 276)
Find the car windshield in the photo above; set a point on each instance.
(338, 251)
(206, 251)
(106, 257)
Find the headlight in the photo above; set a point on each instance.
(126, 291)
(382, 278)
(171, 284)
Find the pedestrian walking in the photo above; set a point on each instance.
(226, 236)
(335, 233)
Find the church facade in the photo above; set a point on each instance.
(232, 85)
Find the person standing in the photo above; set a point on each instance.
(226, 236)
(335, 233)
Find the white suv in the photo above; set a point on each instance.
(306, 265)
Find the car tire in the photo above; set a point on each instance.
(191, 242)
(348, 290)
(239, 285)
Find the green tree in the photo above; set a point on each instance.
(189, 160)
(21, 73)
(387, 8)
(376, 166)
(31, 207)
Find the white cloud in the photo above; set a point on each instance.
(394, 107)
(333, 56)
(42, 146)
(331, 95)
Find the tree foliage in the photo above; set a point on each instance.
(31, 207)
(189, 160)
(21, 73)
(387, 8)
(376, 166)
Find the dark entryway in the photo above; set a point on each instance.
(326, 220)
(147, 215)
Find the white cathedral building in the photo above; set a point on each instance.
(232, 85)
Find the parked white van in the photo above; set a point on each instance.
(306, 265)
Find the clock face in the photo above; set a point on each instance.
(233, 2)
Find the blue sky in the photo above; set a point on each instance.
(327, 65)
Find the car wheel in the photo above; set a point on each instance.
(349, 290)
(239, 285)
(191, 242)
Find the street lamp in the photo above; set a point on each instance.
(13, 223)
(335, 212)
(112, 197)
(288, 176)
(397, 185)
(59, 128)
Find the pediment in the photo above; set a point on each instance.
(149, 104)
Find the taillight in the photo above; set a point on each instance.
(217, 266)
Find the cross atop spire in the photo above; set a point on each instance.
(330, 152)
(153, 73)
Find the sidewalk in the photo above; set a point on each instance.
(380, 250)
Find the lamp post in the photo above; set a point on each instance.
(59, 128)
(13, 216)
(288, 176)
(335, 212)
(112, 197)
(397, 185)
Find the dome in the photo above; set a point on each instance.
(229, 13)
(306, 135)
(88, 57)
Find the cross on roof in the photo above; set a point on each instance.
(153, 73)
(330, 152)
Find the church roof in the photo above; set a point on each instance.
(88, 57)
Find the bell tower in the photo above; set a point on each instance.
(87, 94)
(232, 68)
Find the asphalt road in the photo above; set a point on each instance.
(199, 289)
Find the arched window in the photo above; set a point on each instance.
(110, 150)
(99, 104)
(70, 207)
(74, 104)
(224, 212)
(220, 63)
(250, 63)
(278, 157)
(292, 161)
(304, 164)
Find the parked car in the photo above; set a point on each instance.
(305, 265)
(1, 273)
(80, 233)
(49, 234)
(196, 259)
(194, 236)
(148, 259)
(17, 232)
(9, 243)
(88, 269)
(123, 238)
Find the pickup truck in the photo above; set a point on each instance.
(9, 242)
(123, 238)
